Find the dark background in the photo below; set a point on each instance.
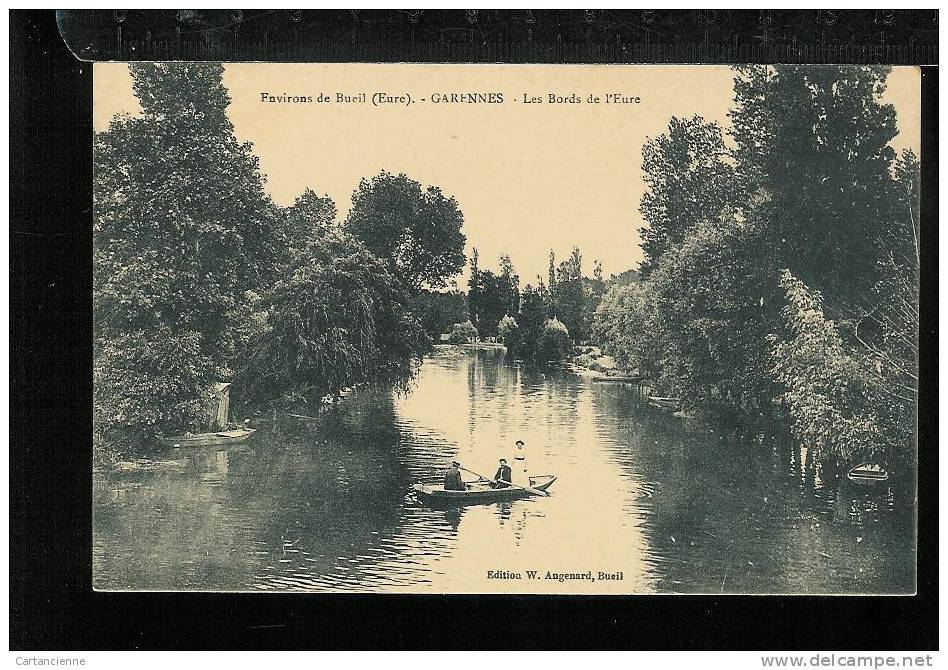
(508, 35)
(52, 605)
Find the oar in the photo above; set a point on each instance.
(536, 492)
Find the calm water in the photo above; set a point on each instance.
(325, 505)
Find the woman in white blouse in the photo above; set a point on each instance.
(521, 475)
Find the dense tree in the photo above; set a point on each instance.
(199, 274)
(463, 333)
(148, 381)
(688, 179)
(716, 300)
(817, 143)
(593, 291)
(569, 295)
(310, 347)
(508, 332)
(623, 324)
(551, 288)
(310, 218)
(815, 140)
(530, 320)
(853, 383)
(491, 296)
(182, 231)
(494, 301)
(698, 325)
(437, 311)
(839, 403)
(792, 281)
(511, 284)
(573, 297)
(416, 231)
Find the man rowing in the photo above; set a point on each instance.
(452, 478)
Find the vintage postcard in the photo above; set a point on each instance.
(555, 329)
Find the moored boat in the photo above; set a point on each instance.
(624, 379)
(868, 473)
(479, 492)
(217, 439)
(666, 403)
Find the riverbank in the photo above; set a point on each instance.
(325, 505)
(589, 361)
(476, 346)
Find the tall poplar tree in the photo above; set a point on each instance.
(474, 290)
(812, 145)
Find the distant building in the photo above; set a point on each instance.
(445, 337)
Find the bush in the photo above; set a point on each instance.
(463, 333)
(584, 360)
(508, 331)
(555, 343)
(150, 382)
(838, 402)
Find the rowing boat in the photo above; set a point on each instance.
(619, 379)
(868, 473)
(208, 439)
(479, 492)
(665, 403)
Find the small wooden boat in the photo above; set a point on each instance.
(479, 492)
(868, 473)
(145, 465)
(208, 439)
(666, 403)
(624, 379)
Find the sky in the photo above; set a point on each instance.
(528, 177)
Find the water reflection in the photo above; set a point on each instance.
(676, 505)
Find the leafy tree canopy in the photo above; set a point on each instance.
(311, 347)
(182, 231)
(689, 180)
(812, 152)
(416, 231)
(310, 218)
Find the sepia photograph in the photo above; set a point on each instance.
(505, 329)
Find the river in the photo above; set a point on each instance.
(668, 505)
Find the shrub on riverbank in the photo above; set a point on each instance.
(508, 331)
(555, 343)
(463, 333)
(829, 390)
(846, 398)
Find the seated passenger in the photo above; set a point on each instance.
(503, 477)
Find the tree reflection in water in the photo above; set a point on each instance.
(677, 505)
